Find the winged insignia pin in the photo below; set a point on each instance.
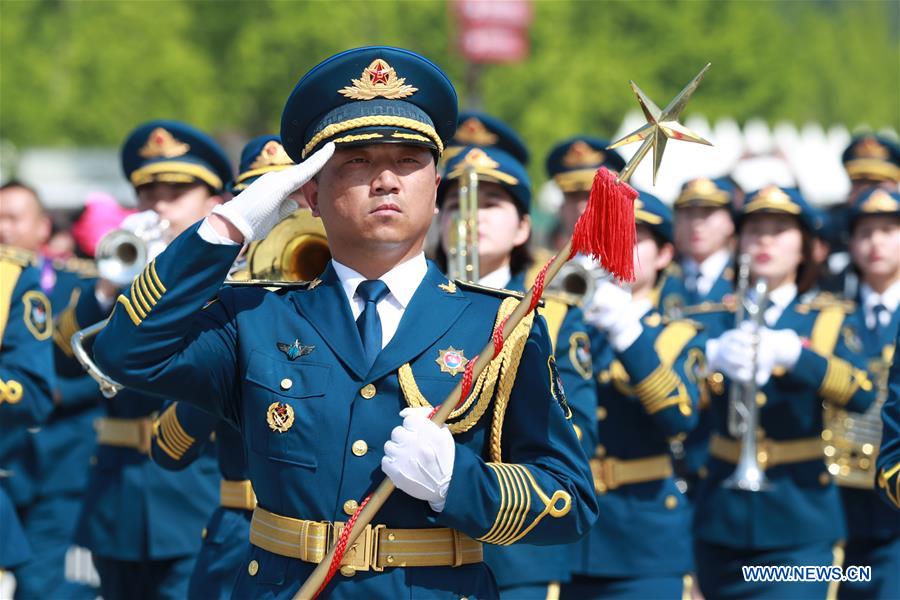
(295, 350)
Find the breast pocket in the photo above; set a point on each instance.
(284, 403)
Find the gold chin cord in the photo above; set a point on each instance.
(295, 250)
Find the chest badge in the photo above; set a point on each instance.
(280, 416)
(295, 350)
(451, 360)
(448, 287)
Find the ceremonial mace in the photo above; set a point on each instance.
(605, 232)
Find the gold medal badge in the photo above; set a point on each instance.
(451, 360)
(280, 416)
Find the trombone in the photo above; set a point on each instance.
(743, 410)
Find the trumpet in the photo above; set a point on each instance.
(295, 250)
(123, 253)
(743, 411)
(462, 256)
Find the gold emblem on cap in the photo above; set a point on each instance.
(773, 198)
(451, 360)
(162, 144)
(880, 201)
(378, 79)
(473, 131)
(280, 416)
(581, 154)
(483, 164)
(702, 185)
(869, 147)
(272, 154)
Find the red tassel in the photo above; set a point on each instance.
(606, 229)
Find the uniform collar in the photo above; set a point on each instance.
(402, 280)
(783, 296)
(497, 279)
(710, 268)
(890, 299)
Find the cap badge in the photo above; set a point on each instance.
(581, 154)
(472, 131)
(880, 201)
(162, 144)
(378, 79)
(272, 154)
(451, 360)
(477, 158)
(702, 185)
(280, 416)
(870, 148)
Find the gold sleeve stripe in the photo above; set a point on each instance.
(174, 432)
(550, 504)
(521, 504)
(841, 381)
(165, 448)
(138, 302)
(10, 391)
(67, 325)
(126, 303)
(884, 481)
(145, 293)
(9, 275)
(155, 278)
(503, 512)
(148, 285)
(658, 385)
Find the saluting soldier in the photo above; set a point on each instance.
(503, 230)
(182, 431)
(26, 381)
(53, 459)
(802, 361)
(873, 529)
(143, 524)
(315, 376)
(648, 387)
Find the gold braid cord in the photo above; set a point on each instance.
(502, 369)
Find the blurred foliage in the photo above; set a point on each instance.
(86, 72)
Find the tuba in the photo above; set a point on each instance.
(743, 410)
(462, 255)
(295, 250)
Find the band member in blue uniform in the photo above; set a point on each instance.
(26, 380)
(149, 549)
(476, 128)
(181, 432)
(802, 361)
(53, 459)
(315, 376)
(873, 529)
(648, 387)
(888, 478)
(504, 228)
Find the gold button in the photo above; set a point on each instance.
(391, 537)
(390, 558)
(286, 383)
(760, 399)
(203, 533)
(702, 472)
(360, 447)
(601, 413)
(601, 450)
(348, 571)
(671, 502)
(350, 506)
(824, 478)
(253, 568)
(368, 391)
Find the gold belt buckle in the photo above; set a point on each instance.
(145, 433)
(362, 554)
(764, 453)
(608, 469)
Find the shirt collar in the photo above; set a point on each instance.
(783, 296)
(497, 279)
(890, 299)
(403, 280)
(714, 264)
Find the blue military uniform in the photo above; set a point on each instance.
(26, 381)
(888, 478)
(288, 369)
(798, 521)
(55, 456)
(182, 431)
(679, 293)
(648, 395)
(148, 548)
(873, 529)
(527, 571)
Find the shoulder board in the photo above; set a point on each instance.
(673, 270)
(18, 256)
(498, 292)
(83, 267)
(270, 285)
(728, 304)
(823, 300)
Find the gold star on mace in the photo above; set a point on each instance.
(661, 126)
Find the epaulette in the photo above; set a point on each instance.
(498, 292)
(83, 267)
(728, 304)
(673, 270)
(274, 286)
(24, 258)
(822, 300)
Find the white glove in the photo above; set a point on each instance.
(611, 310)
(419, 457)
(732, 354)
(260, 207)
(783, 345)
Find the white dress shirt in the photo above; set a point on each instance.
(779, 300)
(498, 279)
(402, 281)
(706, 273)
(890, 299)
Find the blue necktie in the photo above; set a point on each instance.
(372, 291)
(882, 317)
